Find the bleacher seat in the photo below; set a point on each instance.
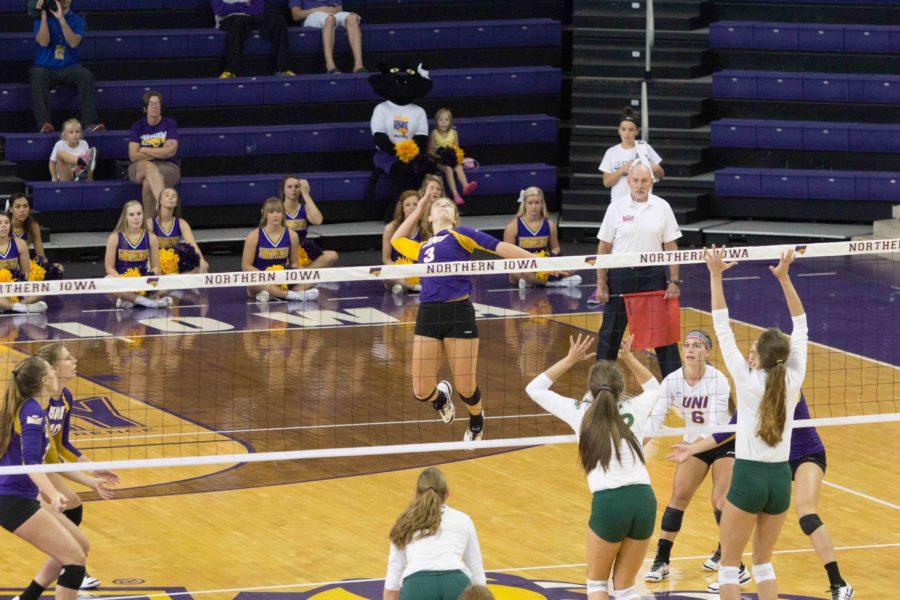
(806, 135)
(808, 184)
(816, 87)
(805, 37)
(253, 189)
(291, 90)
(284, 139)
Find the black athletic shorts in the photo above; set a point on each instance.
(441, 320)
(815, 457)
(15, 510)
(725, 450)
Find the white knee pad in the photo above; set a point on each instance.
(594, 586)
(764, 572)
(626, 594)
(729, 575)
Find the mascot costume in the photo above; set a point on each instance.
(400, 132)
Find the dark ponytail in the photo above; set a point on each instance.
(603, 428)
(628, 114)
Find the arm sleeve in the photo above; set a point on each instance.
(396, 565)
(172, 130)
(720, 402)
(31, 419)
(407, 247)
(734, 360)
(472, 556)
(421, 123)
(78, 25)
(652, 155)
(555, 404)
(608, 226)
(796, 362)
(671, 232)
(135, 133)
(471, 238)
(725, 436)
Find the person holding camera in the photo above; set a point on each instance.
(58, 32)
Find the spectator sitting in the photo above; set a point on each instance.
(57, 63)
(72, 159)
(442, 146)
(328, 15)
(152, 147)
(237, 18)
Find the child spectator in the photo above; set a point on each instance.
(72, 159)
(237, 18)
(328, 15)
(152, 148)
(58, 35)
(443, 147)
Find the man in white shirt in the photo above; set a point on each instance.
(641, 223)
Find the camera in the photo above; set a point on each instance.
(50, 5)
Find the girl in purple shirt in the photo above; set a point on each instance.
(446, 318)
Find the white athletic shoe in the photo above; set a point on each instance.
(570, 281)
(397, 289)
(90, 583)
(469, 436)
(35, 307)
(262, 296)
(165, 301)
(122, 303)
(743, 578)
(448, 413)
(523, 284)
(658, 571)
(309, 295)
(416, 288)
(712, 563)
(845, 592)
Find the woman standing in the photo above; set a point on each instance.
(760, 492)
(618, 159)
(434, 548)
(609, 428)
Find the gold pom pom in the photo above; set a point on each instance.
(36, 272)
(168, 261)
(542, 276)
(277, 268)
(460, 155)
(303, 257)
(133, 272)
(407, 150)
(6, 276)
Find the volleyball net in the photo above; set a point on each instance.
(221, 378)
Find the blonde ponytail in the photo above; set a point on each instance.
(423, 515)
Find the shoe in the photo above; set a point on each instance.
(458, 199)
(262, 296)
(333, 71)
(416, 289)
(448, 412)
(285, 73)
(47, 127)
(523, 285)
(89, 582)
(90, 159)
(469, 188)
(308, 295)
(570, 281)
(712, 563)
(96, 127)
(658, 571)
(397, 289)
(743, 578)
(360, 70)
(165, 301)
(592, 299)
(844, 592)
(471, 436)
(227, 75)
(122, 303)
(81, 174)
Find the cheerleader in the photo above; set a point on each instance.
(700, 395)
(434, 548)
(16, 264)
(273, 246)
(609, 429)
(760, 490)
(445, 322)
(59, 414)
(133, 250)
(172, 230)
(404, 207)
(533, 230)
(24, 441)
(298, 218)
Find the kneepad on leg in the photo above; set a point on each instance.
(809, 523)
(71, 577)
(729, 575)
(671, 520)
(763, 572)
(472, 400)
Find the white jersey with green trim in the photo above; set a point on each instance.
(635, 411)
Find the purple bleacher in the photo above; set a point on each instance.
(805, 135)
(112, 95)
(284, 139)
(808, 184)
(252, 189)
(804, 37)
(176, 43)
(818, 87)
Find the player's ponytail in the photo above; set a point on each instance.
(603, 428)
(27, 378)
(423, 516)
(773, 348)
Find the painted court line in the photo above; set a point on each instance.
(309, 584)
(816, 274)
(861, 495)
